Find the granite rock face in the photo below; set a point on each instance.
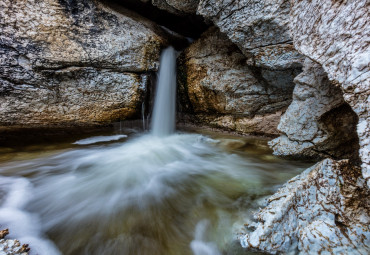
(326, 209)
(249, 24)
(267, 61)
(71, 63)
(218, 86)
(318, 123)
(259, 28)
(336, 34)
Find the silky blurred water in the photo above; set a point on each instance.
(185, 193)
(164, 112)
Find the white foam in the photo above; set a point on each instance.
(99, 182)
(23, 225)
(199, 245)
(99, 139)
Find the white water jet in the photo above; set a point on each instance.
(163, 122)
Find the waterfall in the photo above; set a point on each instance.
(163, 122)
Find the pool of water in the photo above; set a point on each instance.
(134, 193)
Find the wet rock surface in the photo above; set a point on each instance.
(336, 35)
(326, 209)
(318, 123)
(73, 63)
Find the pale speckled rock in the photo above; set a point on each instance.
(275, 57)
(82, 96)
(323, 210)
(259, 28)
(317, 123)
(215, 80)
(249, 24)
(336, 34)
(72, 63)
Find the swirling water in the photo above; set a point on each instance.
(158, 193)
(181, 194)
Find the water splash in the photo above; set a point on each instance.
(144, 196)
(163, 122)
(199, 245)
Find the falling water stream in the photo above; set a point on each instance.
(153, 193)
(165, 99)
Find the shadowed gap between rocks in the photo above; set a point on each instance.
(188, 25)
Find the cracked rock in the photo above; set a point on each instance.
(324, 209)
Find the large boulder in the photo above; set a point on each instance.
(259, 28)
(318, 123)
(323, 210)
(249, 24)
(336, 35)
(73, 63)
(218, 87)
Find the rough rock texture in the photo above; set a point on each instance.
(72, 62)
(250, 24)
(259, 28)
(336, 34)
(270, 63)
(326, 209)
(176, 6)
(318, 123)
(258, 125)
(217, 85)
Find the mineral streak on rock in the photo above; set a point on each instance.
(68, 63)
(318, 123)
(324, 209)
(336, 34)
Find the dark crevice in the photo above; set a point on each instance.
(184, 104)
(62, 68)
(190, 25)
(273, 44)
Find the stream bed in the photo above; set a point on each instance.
(134, 193)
